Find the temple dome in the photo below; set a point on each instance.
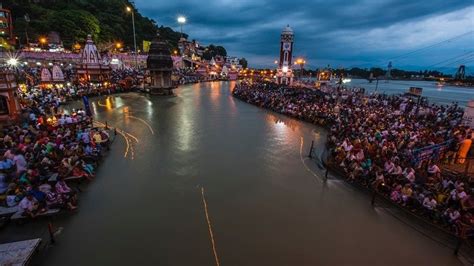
(287, 30)
(90, 55)
(159, 56)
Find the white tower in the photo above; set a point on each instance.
(388, 75)
(284, 73)
(90, 55)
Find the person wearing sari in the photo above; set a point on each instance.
(464, 149)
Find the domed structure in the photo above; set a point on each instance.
(92, 69)
(287, 30)
(160, 66)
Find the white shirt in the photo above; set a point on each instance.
(26, 204)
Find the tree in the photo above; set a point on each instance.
(74, 25)
(220, 51)
(243, 62)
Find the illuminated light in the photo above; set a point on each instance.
(346, 80)
(118, 45)
(68, 84)
(38, 63)
(43, 40)
(181, 19)
(12, 62)
(285, 69)
(276, 62)
(129, 9)
(50, 64)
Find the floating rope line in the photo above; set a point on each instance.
(211, 235)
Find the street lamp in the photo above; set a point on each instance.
(181, 21)
(43, 41)
(301, 62)
(130, 10)
(118, 45)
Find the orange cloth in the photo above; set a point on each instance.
(463, 150)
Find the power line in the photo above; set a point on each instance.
(431, 46)
(451, 58)
(460, 61)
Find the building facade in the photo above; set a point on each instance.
(9, 105)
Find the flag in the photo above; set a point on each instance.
(146, 46)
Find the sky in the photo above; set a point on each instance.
(341, 33)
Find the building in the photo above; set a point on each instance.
(91, 68)
(9, 105)
(284, 74)
(6, 29)
(160, 67)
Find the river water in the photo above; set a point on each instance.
(266, 204)
(440, 94)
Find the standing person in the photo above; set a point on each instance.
(464, 149)
(20, 162)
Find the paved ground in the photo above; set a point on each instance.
(204, 160)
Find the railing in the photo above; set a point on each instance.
(459, 166)
(460, 244)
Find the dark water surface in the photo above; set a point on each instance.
(265, 206)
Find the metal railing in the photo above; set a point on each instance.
(422, 224)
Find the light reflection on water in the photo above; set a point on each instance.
(256, 186)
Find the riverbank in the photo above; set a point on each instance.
(357, 161)
(47, 155)
(159, 193)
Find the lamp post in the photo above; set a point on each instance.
(130, 10)
(181, 21)
(43, 41)
(301, 62)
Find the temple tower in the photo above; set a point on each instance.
(160, 66)
(92, 69)
(285, 73)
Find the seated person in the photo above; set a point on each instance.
(29, 205)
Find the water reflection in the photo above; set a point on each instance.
(216, 93)
(290, 123)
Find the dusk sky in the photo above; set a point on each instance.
(340, 33)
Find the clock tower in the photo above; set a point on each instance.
(284, 73)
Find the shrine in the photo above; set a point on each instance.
(160, 67)
(92, 68)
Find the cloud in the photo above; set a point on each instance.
(361, 32)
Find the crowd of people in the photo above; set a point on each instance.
(374, 140)
(45, 148)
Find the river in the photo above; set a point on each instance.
(440, 94)
(205, 162)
